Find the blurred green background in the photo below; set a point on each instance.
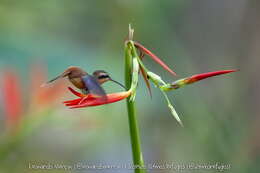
(220, 115)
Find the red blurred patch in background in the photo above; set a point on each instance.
(12, 98)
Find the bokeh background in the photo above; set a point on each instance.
(39, 39)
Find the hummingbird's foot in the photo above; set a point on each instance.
(83, 99)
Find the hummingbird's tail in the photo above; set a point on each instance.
(64, 74)
(50, 81)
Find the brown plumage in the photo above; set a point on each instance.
(82, 80)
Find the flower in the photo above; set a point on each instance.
(144, 51)
(189, 80)
(94, 100)
(157, 80)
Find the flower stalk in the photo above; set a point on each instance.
(131, 79)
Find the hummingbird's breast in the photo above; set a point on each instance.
(77, 82)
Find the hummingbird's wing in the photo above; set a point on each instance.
(93, 86)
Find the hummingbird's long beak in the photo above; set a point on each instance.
(118, 83)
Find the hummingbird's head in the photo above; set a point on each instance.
(102, 76)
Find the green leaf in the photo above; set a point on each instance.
(134, 78)
(155, 78)
(173, 111)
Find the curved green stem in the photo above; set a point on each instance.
(133, 123)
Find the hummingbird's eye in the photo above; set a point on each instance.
(103, 76)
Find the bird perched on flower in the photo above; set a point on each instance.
(85, 82)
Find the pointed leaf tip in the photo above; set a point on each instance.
(201, 76)
(173, 111)
(154, 57)
(146, 80)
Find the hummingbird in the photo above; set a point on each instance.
(87, 83)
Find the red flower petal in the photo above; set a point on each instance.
(201, 76)
(154, 57)
(93, 100)
(76, 92)
(189, 80)
(72, 102)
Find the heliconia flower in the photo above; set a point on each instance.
(12, 99)
(94, 100)
(189, 80)
(144, 50)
